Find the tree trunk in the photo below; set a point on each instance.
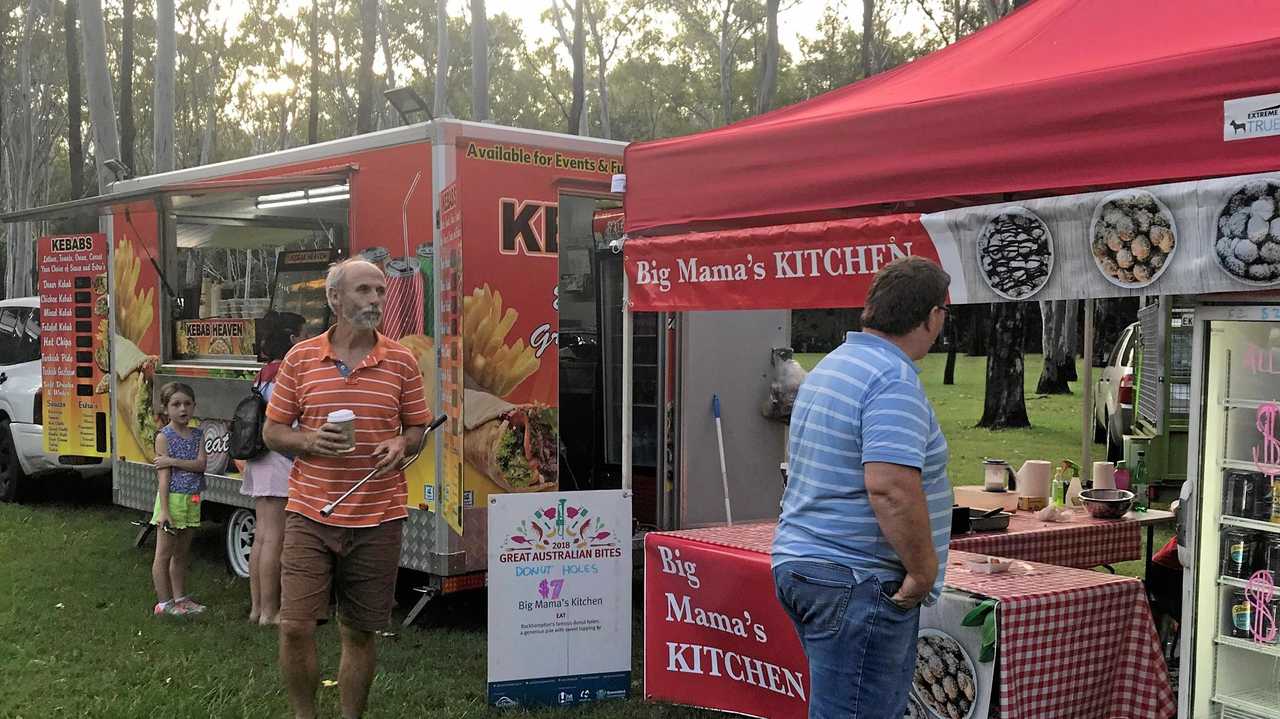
(979, 329)
(479, 62)
(364, 82)
(1070, 339)
(128, 130)
(440, 107)
(388, 117)
(75, 142)
(578, 50)
(868, 37)
(163, 105)
(769, 78)
(102, 110)
(725, 58)
(1053, 378)
(313, 55)
(602, 71)
(1005, 405)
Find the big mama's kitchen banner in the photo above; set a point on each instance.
(1202, 237)
(710, 644)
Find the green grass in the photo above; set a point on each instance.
(77, 638)
(1055, 419)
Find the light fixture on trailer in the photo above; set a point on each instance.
(330, 193)
(118, 168)
(408, 103)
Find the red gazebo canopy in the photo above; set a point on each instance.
(1060, 96)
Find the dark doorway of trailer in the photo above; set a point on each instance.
(590, 304)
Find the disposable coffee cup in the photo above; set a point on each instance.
(345, 420)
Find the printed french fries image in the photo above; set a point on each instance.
(134, 311)
(488, 360)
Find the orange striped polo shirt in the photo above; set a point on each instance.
(386, 393)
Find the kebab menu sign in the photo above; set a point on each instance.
(559, 597)
(72, 328)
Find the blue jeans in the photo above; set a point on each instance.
(861, 646)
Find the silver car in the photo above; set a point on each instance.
(1115, 394)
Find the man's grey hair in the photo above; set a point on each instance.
(333, 280)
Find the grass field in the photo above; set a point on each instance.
(77, 638)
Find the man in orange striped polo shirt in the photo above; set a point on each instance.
(356, 549)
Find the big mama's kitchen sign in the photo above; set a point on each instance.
(710, 644)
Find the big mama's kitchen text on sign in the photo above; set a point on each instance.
(707, 644)
(794, 267)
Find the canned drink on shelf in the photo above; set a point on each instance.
(1239, 553)
(1275, 506)
(1271, 557)
(1241, 615)
(1247, 495)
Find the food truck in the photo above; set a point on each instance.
(496, 243)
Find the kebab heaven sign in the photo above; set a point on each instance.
(1210, 236)
(559, 597)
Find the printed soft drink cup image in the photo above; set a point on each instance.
(402, 313)
(345, 419)
(377, 255)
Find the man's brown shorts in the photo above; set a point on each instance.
(359, 563)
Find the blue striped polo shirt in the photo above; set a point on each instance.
(863, 403)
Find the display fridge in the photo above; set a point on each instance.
(1230, 649)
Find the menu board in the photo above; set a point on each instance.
(74, 365)
(229, 337)
(451, 353)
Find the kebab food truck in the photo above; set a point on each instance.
(496, 244)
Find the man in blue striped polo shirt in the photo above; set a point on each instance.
(866, 517)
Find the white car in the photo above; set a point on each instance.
(22, 454)
(1114, 396)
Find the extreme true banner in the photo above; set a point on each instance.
(1192, 238)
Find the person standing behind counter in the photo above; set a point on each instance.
(866, 516)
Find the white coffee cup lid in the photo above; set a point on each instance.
(339, 416)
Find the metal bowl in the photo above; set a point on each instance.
(1107, 503)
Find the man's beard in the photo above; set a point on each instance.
(367, 319)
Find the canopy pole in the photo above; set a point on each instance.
(1087, 420)
(626, 382)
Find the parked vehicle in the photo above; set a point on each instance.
(1114, 396)
(22, 452)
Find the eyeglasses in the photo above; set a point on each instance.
(945, 310)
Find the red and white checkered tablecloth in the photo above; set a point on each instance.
(1083, 542)
(1073, 643)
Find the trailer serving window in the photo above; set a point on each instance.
(230, 258)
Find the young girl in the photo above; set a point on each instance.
(180, 463)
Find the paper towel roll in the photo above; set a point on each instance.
(1104, 475)
(1033, 479)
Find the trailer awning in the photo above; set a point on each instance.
(102, 204)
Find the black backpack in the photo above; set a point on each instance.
(245, 435)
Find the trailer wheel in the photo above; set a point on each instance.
(239, 541)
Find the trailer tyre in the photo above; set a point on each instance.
(238, 541)
(11, 475)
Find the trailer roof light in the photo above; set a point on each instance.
(330, 193)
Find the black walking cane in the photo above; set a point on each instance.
(328, 508)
